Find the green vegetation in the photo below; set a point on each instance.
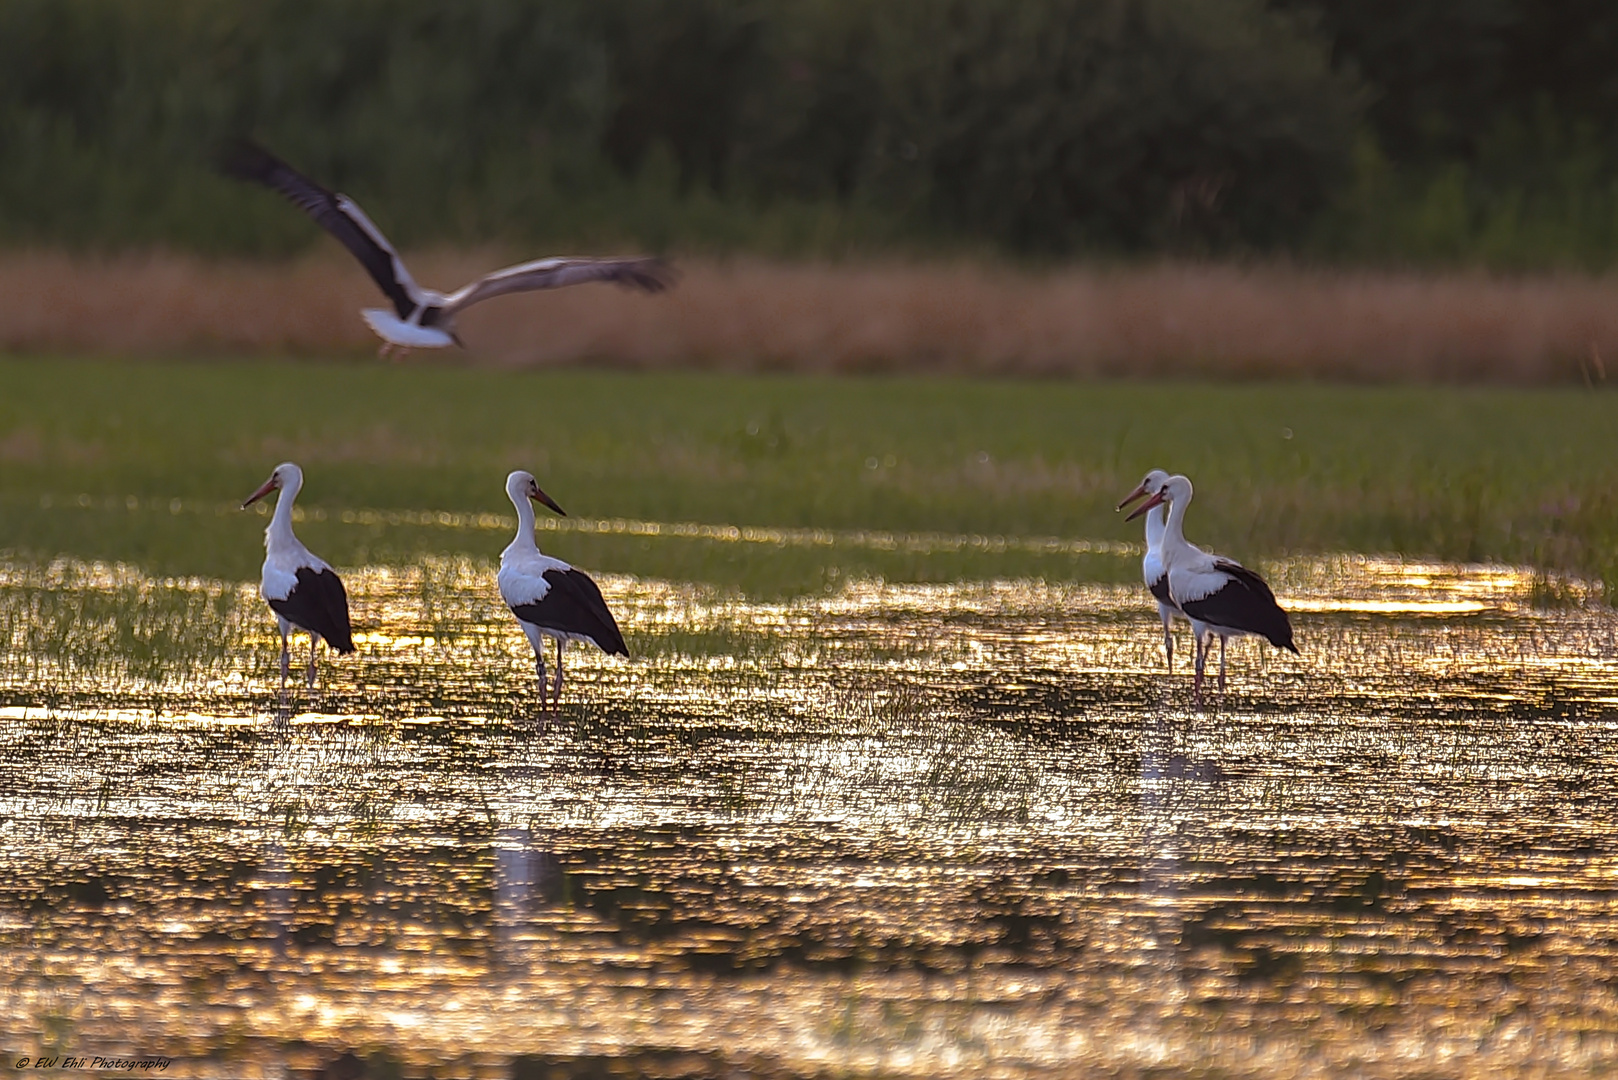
(158, 453)
(1430, 131)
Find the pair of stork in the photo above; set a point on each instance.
(1220, 597)
(549, 598)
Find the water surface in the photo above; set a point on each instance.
(931, 830)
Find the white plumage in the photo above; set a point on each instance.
(395, 331)
(550, 598)
(1221, 597)
(1153, 569)
(298, 585)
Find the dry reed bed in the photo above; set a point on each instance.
(1166, 319)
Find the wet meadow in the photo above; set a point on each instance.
(895, 782)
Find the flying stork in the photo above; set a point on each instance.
(1220, 596)
(1152, 569)
(423, 318)
(550, 598)
(297, 584)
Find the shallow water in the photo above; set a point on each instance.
(909, 830)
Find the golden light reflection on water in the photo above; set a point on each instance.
(911, 830)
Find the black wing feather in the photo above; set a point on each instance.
(574, 605)
(246, 160)
(1245, 603)
(318, 603)
(1160, 589)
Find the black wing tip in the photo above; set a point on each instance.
(613, 646)
(1288, 646)
(244, 159)
(652, 275)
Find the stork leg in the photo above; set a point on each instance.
(383, 350)
(286, 664)
(314, 639)
(539, 667)
(1224, 643)
(558, 691)
(1168, 644)
(1202, 658)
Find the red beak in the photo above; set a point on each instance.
(269, 486)
(1131, 497)
(1148, 504)
(547, 500)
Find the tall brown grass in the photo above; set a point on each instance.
(1183, 319)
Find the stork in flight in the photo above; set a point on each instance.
(1220, 596)
(550, 598)
(423, 318)
(297, 584)
(1152, 569)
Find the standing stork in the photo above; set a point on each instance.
(297, 584)
(1152, 568)
(549, 597)
(423, 318)
(1220, 596)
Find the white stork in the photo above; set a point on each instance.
(423, 318)
(1152, 568)
(549, 597)
(1220, 596)
(298, 585)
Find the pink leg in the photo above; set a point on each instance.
(558, 691)
(286, 665)
(1202, 658)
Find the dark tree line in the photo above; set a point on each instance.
(1357, 128)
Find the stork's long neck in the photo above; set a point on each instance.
(279, 534)
(525, 523)
(1174, 528)
(1154, 527)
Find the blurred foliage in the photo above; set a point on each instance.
(1491, 130)
(1157, 124)
(1422, 129)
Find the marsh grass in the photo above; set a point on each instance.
(61, 621)
(1173, 319)
(788, 484)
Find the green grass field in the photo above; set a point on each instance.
(140, 462)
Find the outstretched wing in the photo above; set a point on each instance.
(652, 275)
(337, 214)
